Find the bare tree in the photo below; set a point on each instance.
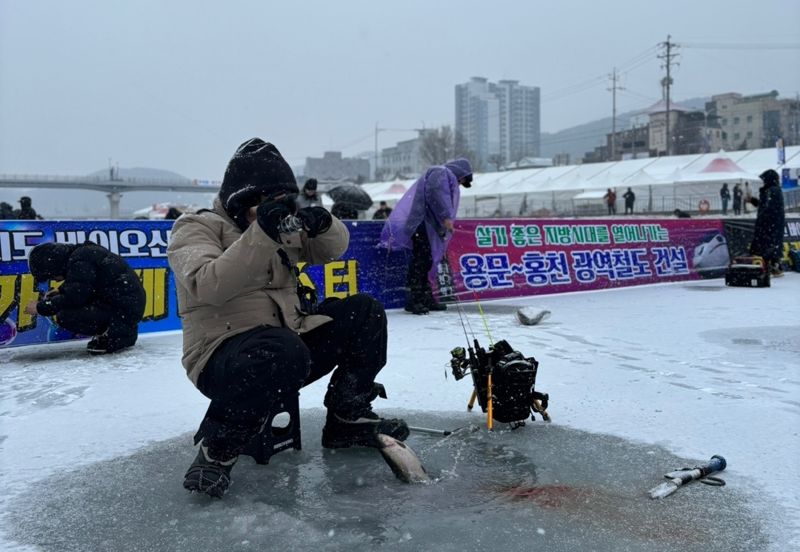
(461, 149)
(437, 145)
(442, 144)
(383, 175)
(497, 160)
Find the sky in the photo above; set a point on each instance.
(694, 368)
(179, 85)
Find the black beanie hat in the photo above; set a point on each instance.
(311, 184)
(770, 178)
(257, 168)
(48, 260)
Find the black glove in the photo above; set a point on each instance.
(316, 220)
(270, 214)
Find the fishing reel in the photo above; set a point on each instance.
(459, 364)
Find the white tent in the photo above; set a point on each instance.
(719, 170)
(667, 182)
(590, 194)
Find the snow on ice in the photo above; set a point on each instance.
(642, 381)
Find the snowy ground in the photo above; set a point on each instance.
(641, 380)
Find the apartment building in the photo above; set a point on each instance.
(499, 122)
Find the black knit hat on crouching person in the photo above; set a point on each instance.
(256, 169)
(48, 260)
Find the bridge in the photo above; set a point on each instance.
(113, 186)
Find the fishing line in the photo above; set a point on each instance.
(483, 316)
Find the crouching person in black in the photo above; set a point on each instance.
(250, 337)
(100, 294)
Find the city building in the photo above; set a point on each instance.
(402, 160)
(500, 122)
(691, 131)
(561, 159)
(757, 121)
(332, 166)
(632, 143)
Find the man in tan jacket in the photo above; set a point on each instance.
(252, 334)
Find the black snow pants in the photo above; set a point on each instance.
(419, 288)
(249, 371)
(119, 322)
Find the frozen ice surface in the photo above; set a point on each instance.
(642, 381)
(500, 488)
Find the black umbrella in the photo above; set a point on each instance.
(352, 196)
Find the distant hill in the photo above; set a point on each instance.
(578, 140)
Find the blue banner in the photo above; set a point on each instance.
(143, 244)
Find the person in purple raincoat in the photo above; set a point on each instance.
(422, 221)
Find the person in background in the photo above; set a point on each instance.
(26, 210)
(611, 201)
(309, 197)
(100, 294)
(6, 211)
(253, 334)
(383, 212)
(344, 211)
(737, 199)
(725, 197)
(630, 198)
(681, 214)
(748, 195)
(770, 220)
(422, 221)
(172, 213)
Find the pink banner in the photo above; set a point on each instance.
(510, 257)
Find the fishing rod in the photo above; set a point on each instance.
(459, 356)
(503, 379)
(459, 353)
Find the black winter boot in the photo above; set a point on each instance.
(207, 475)
(98, 345)
(104, 345)
(360, 429)
(416, 308)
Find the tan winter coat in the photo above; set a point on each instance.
(229, 282)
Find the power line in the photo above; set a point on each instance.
(573, 89)
(638, 95)
(354, 142)
(643, 61)
(636, 60)
(582, 135)
(741, 46)
(633, 63)
(334, 148)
